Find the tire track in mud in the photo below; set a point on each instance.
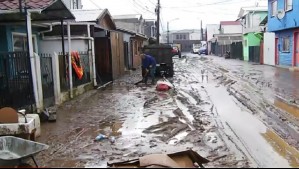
(264, 110)
(267, 112)
(195, 91)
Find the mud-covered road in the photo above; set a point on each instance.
(208, 111)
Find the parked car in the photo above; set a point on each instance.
(195, 49)
(203, 50)
(176, 51)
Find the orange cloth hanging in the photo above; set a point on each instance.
(76, 63)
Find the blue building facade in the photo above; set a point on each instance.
(283, 19)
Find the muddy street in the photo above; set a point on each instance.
(205, 112)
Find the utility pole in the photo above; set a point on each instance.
(158, 22)
(168, 33)
(201, 30)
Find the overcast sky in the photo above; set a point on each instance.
(188, 12)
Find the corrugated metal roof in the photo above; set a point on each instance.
(50, 10)
(245, 10)
(83, 15)
(130, 16)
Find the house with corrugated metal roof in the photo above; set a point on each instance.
(136, 24)
(100, 47)
(251, 17)
(230, 32)
(26, 78)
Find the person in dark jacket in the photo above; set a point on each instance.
(149, 67)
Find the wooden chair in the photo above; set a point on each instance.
(8, 115)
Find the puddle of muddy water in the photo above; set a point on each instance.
(291, 109)
(284, 149)
(247, 128)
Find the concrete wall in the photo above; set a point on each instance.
(211, 30)
(252, 40)
(291, 19)
(230, 29)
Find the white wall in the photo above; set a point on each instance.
(269, 49)
(211, 30)
(195, 36)
(231, 29)
(51, 46)
(253, 23)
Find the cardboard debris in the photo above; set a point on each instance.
(185, 159)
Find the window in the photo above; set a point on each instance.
(184, 37)
(20, 42)
(288, 5)
(153, 31)
(76, 4)
(177, 36)
(274, 8)
(286, 44)
(181, 36)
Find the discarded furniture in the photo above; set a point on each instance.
(19, 124)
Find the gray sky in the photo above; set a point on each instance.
(189, 12)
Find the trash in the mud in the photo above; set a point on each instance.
(52, 115)
(163, 86)
(100, 137)
(185, 159)
(48, 115)
(112, 140)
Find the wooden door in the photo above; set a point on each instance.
(103, 59)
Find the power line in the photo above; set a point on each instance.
(152, 2)
(135, 9)
(226, 2)
(95, 4)
(142, 7)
